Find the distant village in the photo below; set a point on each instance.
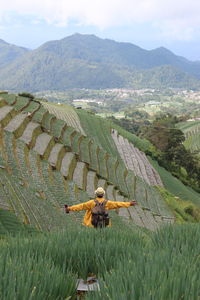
(105, 100)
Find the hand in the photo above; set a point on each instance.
(66, 208)
(133, 203)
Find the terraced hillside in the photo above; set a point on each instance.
(136, 160)
(191, 131)
(67, 114)
(46, 163)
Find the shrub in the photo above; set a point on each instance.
(27, 95)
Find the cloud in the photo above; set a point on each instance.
(178, 19)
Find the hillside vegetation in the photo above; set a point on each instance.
(86, 61)
(128, 264)
(45, 162)
(9, 53)
(191, 132)
(50, 153)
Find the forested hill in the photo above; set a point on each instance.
(86, 61)
(9, 53)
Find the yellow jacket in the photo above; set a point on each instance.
(87, 221)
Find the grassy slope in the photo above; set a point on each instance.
(93, 127)
(192, 142)
(187, 126)
(175, 186)
(67, 255)
(129, 265)
(10, 224)
(100, 129)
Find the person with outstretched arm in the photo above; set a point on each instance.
(96, 210)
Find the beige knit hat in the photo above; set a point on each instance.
(99, 191)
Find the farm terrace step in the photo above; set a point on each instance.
(30, 133)
(56, 155)
(68, 165)
(110, 192)
(44, 143)
(68, 115)
(17, 124)
(80, 175)
(91, 183)
(102, 183)
(6, 114)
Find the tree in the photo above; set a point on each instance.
(27, 95)
(175, 157)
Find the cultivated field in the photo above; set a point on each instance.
(45, 163)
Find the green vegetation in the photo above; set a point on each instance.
(133, 105)
(65, 113)
(140, 276)
(10, 224)
(99, 130)
(168, 140)
(127, 263)
(191, 131)
(27, 95)
(72, 167)
(192, 143)
(9, 98)
(9, 53)
(185, 211)
(85, 61)
(188, 126)
(43, 251)
(175, 186)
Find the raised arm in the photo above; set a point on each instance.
(117, 204)
(79, 207)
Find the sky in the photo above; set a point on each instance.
(174, 24)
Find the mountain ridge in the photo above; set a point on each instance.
(87, 61)
(9, 53)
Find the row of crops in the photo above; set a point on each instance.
(129, 265)
(189, 127)
(45, 163)
(175, 186)
(99, 130)
(11, 225)
(78, 159)
(136, 160)
(31, 189)
(112, 167)
(193, 142)
(65, 113)
(191, 131)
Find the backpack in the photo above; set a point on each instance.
(100, 216)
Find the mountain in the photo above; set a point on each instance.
(86, 61)
(9, 53)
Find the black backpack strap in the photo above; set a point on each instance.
(104, 202)
(96, 201)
